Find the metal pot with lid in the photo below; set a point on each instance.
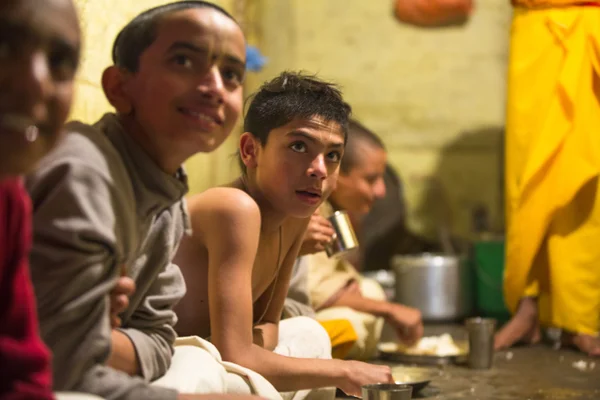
(440, 286)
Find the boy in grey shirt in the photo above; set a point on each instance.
(111, 195)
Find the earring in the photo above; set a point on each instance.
(31, 133)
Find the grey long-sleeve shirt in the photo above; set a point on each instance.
(100, 202)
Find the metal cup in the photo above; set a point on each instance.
(344, 238)
(481, 342)
(386, 391)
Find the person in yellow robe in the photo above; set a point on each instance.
(552, 275)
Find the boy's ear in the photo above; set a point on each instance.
(113, 83)
(249, 146)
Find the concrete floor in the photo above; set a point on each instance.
(522, 373)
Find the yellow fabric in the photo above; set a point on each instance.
(552, 165)
(547, 3)
(342, 335)
(532, 290)
(326, 276)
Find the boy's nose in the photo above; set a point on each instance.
(318, 168)
(37, 83)
(213, 84)
(379, 188)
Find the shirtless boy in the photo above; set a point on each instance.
(246, 236)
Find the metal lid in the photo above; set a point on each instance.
(425, 260)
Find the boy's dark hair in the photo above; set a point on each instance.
(358, 135)
(290, 96)
(140, 32)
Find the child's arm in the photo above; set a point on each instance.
(144, 345)
(231, 229)
(406, 320)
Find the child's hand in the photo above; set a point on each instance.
(407, 322)
(119, 299)
(359, 374)
(319, 234)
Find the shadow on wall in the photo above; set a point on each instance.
(466, 194)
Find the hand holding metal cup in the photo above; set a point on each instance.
(344, 238)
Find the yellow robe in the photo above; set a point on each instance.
(549, 3)
(553, 164)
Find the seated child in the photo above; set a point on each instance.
(39, 53)
(335, 288)
(246, 237)
(341, 333)
(35, 97)
(110, 195)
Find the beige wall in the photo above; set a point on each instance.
(435, 96)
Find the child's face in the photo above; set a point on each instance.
(357, 190)
(187, 93)
(39, 53)
(298, 167)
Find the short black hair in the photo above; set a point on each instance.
(291, 96)
(358, 135)
(140, 32)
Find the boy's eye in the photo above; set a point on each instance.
(8, 48)
(17, 39)
(5, 50)
(183, 60)
(233, 76)
(371, 179)
(334, 156)
(63, 65)
(298, 147)
(62, 59)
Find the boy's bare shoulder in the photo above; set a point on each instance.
(226, 204)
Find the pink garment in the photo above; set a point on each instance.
(24, 360)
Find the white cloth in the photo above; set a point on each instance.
(297, 302)
(197, 367)
(368, 327)
(303, 337)
(75, 396)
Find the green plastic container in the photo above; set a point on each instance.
(489, 273)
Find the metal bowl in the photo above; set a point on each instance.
(387, 391)
(416, 377)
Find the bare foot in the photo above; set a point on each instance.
(523, 327)
(585, 343)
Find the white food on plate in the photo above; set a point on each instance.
(441, 346)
